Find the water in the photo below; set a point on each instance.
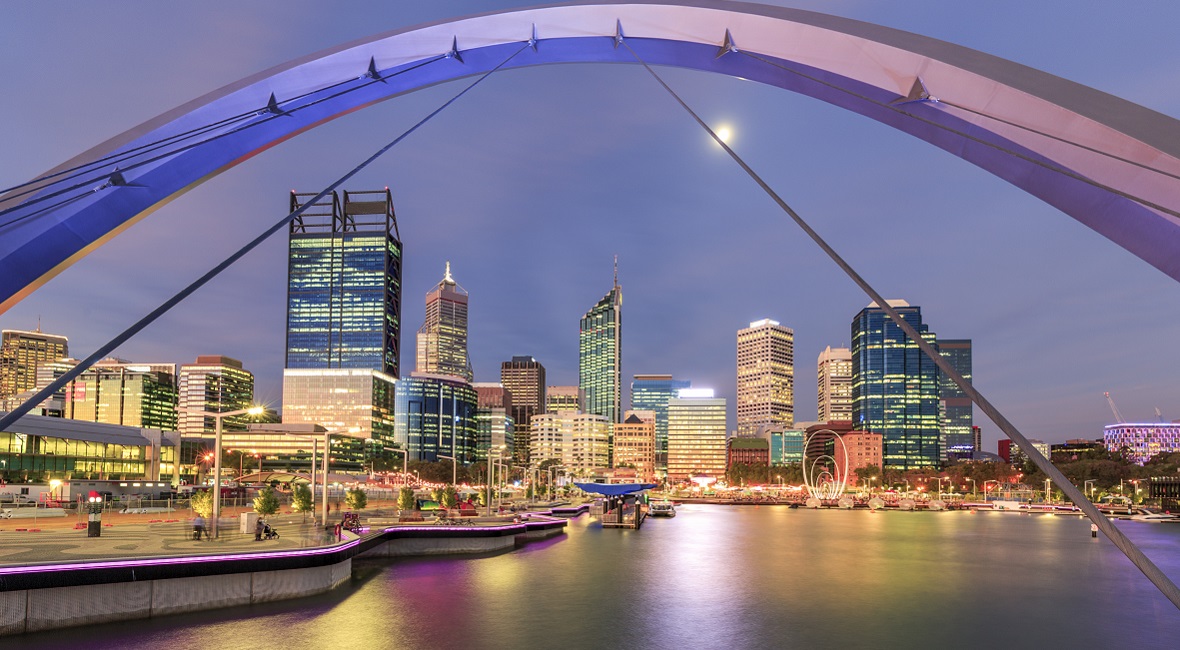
(726, 577)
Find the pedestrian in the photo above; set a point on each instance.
(198, 527)
(259, 527)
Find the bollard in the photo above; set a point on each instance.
(1093, 530)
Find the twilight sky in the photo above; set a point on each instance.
(532, 182)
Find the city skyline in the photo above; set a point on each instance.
(1051, 392)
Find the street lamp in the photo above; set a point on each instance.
(985, 487)
(1087, 486)
(218, 417)
(973, 495)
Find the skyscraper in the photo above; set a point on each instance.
(344, 316)
(214, 384)
(696, 435)
(651, 393)
(20, 354)
(118, 392)
(442, 339)
(895, 387)
(524, 377)
(835, 385)
(600, 355)
(344, 284)
(436, 414)
(493, 420)
(765, 376)
(957, 413)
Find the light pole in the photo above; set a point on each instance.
(1048, 495)
(454, 468)
(985, 487)
(405, 464)
(218, 417)
(973, 492)
(1087, 486)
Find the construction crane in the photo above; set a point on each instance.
(1118, 417)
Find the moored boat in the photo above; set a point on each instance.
(661, 509)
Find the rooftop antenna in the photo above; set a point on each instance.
(616, 270)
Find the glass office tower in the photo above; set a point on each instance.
(895, 387)
(442, 339)
(652, 393)
(957, 413)
(600, 356)
(344, 283)
(436, 414)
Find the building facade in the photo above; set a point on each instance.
(863, 449)
(442, 339)
(562, 398)
(21, 353)
(747, 451)
(577, 440)
(38, 449)
(895, 388)
(524, 377)
(113, 391)
(495, 428)
(214, 384)
(1143, 440)
(957, 411)
(765, 376)
(651, 393)
(786, 445)
(292, 448)
(635, 444)
(346, 401)
(834, 379)
(696, 435)
(344, 291)
(436, 415)
(600, 356)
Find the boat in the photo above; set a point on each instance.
(661, 509)
(1154, 516)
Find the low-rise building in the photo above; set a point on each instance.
(747, 451)
(635, 444)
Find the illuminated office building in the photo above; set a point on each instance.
(562, 398)
(765, 376)
(578, 440)
(895, 388)
(442, 339)
(524, 378)
(344, 284)
(651, 393)
(436, 414)
(635, 444)
(834, 379)
(214, 384)
(352, 402)
(113, 391)
(495, 428)
(696, 435)
(957, 411)
(20, 355)
(600, 356)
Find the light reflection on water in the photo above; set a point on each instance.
(726, 577)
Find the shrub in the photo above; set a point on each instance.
(266, 503)
(356, 499)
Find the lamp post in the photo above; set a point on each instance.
(973, 494)
(985, 487)
(218, 417)
(1088, 487)
(405, 464)
(1048, 495)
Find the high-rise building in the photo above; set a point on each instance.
(436, 414)
(835, 384)
(442, 339)
(562, 398)
(578, 440)
(524, 378)
(493, 420)
(651, 393)
(600, 355)
(635, 443)
(765, 376)
(696, 435)
(957, 412)
(786, 445)
(214, 384)
(20, 355)
(895, 387)
(114, 391)
(356, 402)
(344, 278)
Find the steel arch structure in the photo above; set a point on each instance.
(1080, 150)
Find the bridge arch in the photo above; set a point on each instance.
(1080, 150)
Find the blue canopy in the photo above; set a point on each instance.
(614, 489)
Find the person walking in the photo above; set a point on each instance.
(259, 527)
(199, 527)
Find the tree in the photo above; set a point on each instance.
(356, 499)
(267, 502)
(436, 495)
(202, 503)
(405, 499)
(301, 499)
(450, 497)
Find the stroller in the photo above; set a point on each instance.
(268, 532)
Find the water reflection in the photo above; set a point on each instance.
(719, 577)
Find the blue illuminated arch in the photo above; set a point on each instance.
(1020, 124)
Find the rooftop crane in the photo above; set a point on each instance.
(1118, 417)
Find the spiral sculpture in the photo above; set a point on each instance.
(821, 483)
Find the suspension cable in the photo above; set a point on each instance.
(193, 145)
(1011, 152)
(1149, 569)
(7, 419)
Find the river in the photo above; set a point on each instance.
(725, 577)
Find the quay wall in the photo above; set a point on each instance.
(50, 596)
